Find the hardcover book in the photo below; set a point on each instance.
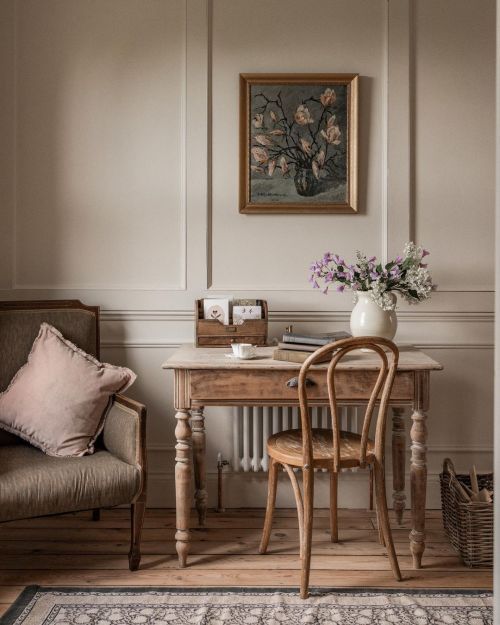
(300, 347)
(289, 355)
(315, 339)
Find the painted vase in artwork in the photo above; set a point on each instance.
(305, 181)
(369, 319)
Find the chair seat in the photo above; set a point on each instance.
(286, 447)
(34, 484)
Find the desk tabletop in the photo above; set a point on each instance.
(191, 357)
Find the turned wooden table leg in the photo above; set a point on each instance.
(398, 463)
(199, 446)
(182, 484)
(418, 476)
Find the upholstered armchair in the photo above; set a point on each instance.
(33, 484)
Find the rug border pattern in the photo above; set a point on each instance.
(27, 595)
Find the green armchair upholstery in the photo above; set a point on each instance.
(33, 484)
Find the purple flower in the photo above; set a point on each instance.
(399, 260)
(373, 275)
(423, 265)
(425, 253)
(372, 259)
(341, 288)
(315, 285)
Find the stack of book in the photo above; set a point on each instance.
(298, 347)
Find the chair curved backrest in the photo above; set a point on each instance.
(20, 324)
(388, 355)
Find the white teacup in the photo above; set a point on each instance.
(243, 350)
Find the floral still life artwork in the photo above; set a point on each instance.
(298, 143)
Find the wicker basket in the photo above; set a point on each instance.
(468, 524)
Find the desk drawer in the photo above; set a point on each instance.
(254, 387)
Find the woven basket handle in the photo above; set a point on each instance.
(448, 467)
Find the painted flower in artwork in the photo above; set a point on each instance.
(303, 116)
(263, 140)
(258, 120)
(306, 146)
(332, 131)
(328, 97)
(300, 135)
(260, 155)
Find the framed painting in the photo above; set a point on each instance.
(298, 143)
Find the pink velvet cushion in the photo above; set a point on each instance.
(58, 400)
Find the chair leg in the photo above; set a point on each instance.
(96, 514)
(383, 516)
(271, 500)
(371, 486)
(379, 527)
(334, 526)
(308, 478)
(137, 518)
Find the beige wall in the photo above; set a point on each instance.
(111, 183)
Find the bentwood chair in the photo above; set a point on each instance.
(33, 484)
(314, 448)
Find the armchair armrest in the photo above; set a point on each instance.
(124, 432)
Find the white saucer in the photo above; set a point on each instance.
(234, 357)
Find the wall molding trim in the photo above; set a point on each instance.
(302, 316)
(162, 344)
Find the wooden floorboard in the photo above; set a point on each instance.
(74, 550)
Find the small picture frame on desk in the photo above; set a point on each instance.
(242, 313)
(216, 309)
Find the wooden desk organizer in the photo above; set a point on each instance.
(212, 333)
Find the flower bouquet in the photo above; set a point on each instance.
(372, 281)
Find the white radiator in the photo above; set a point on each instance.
(253, 425)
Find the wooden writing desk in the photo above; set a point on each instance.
(205, 377)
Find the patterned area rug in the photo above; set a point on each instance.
(217, 606)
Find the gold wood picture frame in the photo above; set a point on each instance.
(298, 143)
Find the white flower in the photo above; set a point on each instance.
(385, 299)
